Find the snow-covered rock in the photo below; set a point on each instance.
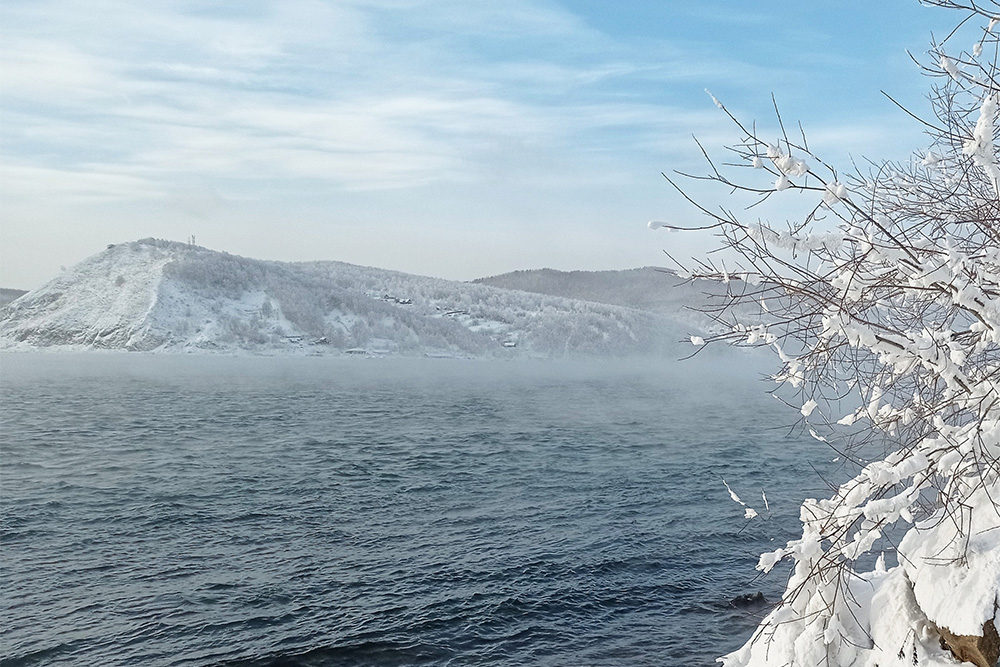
(161, 295)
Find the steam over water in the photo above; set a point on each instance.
(169, 510)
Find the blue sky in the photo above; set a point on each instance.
(455, 138)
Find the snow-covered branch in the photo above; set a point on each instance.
(882, 302)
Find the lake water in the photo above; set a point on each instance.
(174, 510)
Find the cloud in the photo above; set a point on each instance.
(90, 184)
(454, 112)
(51, 72)
(356, 79)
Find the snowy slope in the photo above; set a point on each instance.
(160, 295)
(103, 302)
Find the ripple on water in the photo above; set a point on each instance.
(413, 514)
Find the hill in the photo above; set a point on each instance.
(651, 289)
(162, 295)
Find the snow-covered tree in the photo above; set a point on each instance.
(882, 302)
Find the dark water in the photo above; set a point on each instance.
(221, 511)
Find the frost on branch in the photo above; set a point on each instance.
(882, 302)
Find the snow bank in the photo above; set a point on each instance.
(888, 618)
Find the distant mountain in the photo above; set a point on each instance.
(7, 295)
(161, 295)
(651, 289)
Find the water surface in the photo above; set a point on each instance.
(171, 510)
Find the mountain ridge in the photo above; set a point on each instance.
(628, 288)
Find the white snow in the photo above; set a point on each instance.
(956, 581)
(980, 146)
(949, 66)
(834, 193)
(715, 100)
(732, 494)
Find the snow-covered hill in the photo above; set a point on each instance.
(161, 295)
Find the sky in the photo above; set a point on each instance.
(451, 138)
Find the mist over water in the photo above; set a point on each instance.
(172, 510)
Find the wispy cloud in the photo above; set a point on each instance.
(356, 95)
(426, 101)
